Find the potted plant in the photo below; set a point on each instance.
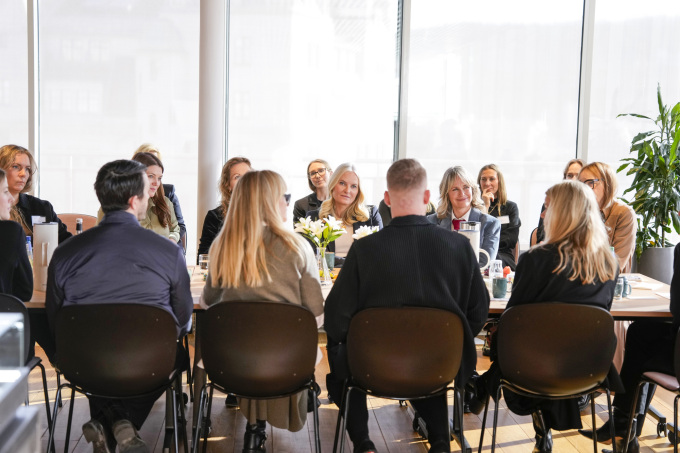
(656, 199)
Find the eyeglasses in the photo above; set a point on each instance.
(287, 197)
(320, 172)
(591, 182)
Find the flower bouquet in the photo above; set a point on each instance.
(364, 231)
(321, 232)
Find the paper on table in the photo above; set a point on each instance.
(664, 295)
(646, 285)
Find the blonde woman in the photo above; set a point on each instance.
(265, 263)
(573, 265)
(318, 173)
(346, 203)
(618, 217)
(460, 201)
(232, 171)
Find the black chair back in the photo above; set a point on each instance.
(116, 349)
(259, 349)
(555, 349)
(676, 359)
(11, 304)
(404, 352)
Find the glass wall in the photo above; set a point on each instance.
(115, 75)
(635, 49)
(13, 73)
(495, 82)
(312, 80)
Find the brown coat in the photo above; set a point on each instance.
(619, 219)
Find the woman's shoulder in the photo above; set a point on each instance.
(10, 227)
(31, 202)
(621, 209)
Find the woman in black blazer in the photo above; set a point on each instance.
(346, 203)
(574, 265)
(16, 275)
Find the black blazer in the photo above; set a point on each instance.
(411, 262)
(30, 206)
(509, 231)
(16, 274)
(304, 205)
(212, 225)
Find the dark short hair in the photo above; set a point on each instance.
(117, 182)
(405, 174)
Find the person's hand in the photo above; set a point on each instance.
(488, 197)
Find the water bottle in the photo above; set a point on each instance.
(29, 250)
(79, 226)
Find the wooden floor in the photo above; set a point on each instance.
(390, 425)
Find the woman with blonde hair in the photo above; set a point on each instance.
(232, 171)
(20, 166)
(573, 265)
(265, 263)
(618, 217)
(495, 196)
(318, 173)
(346, 203)
(460, 201)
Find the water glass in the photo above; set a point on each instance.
(203, 261)
(496, 269)
(499, 287)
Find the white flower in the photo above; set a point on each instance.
(316, 228)
(364, 231)
(302, 225)
(335, 225)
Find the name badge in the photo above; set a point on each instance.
(504, 219)
(37, 219)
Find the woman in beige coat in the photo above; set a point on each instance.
(255, 258)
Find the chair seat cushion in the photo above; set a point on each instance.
(664, 380)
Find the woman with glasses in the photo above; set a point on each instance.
(460, 201)
(495, 196)
(346, 203)
(269, 263)
(214, 219)
(619, 218)
(20, 166)
(571, 171)
(318, 174)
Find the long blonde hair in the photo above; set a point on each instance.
(357, 211)
(444, 208)
(240, 251)
(573, 224)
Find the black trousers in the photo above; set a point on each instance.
(41, 334)
(434, 411)
(108, 411)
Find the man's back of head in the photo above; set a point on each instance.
(407, 192)
(117, 182)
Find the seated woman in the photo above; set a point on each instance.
(619, 218)
(347, 204)
(20, 167)
(574, 265)
(214, 219)
(571, 171)
(318, 174)
(269, 263)
(459, 201)
(492, 184)
(168, 189)
(160, 215)
(16, 274)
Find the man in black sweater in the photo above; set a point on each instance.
(409, 263)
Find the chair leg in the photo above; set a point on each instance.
(47, 396)
(190, 381)
(338, 432)
(481, 436)
(70, 419)
(58, 399)
(199, 421)
(592, 414)
(675, 423)
(174, 419)
(50, 439)
(345, 413)
(632, 414)
(495, 418)
(207, 415)
(317, 438)
(458, 397)
(611, 425)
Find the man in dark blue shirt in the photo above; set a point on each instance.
(120, 261)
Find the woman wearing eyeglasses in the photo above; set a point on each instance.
(619, 218)
(318, 174)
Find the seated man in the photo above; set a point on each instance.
(412, 262)
(120, 261)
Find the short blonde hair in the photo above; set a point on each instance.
(607, 177)
(148, 148)
(238, 255)
(444, 209)
(357, 211)
(573, 224)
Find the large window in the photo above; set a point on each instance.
(312, 80)
(13, 73)
(495, 82)
(115, 75)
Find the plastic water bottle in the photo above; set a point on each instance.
(29, 250)
(79, 226)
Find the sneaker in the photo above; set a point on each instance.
(93, 431)
(128, 439)
(365, 446)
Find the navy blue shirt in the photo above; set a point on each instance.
(118, 261)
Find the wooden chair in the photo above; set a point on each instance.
(70, 221)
